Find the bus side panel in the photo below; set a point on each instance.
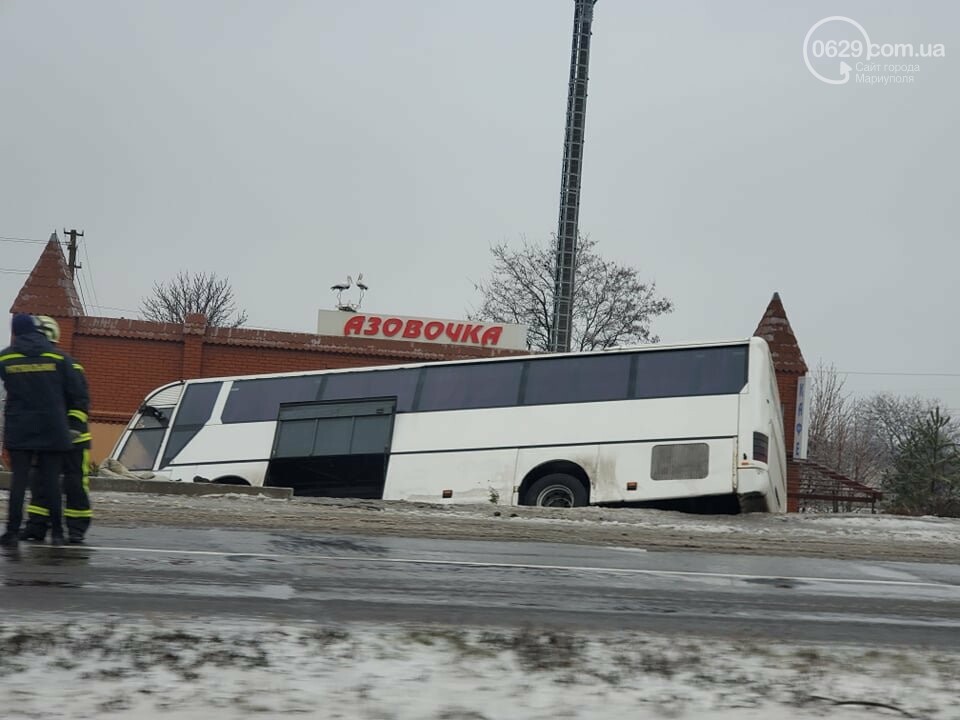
(235, 443)
(479, 476)
(633, 462)
(568, 424)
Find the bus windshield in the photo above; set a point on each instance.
(146, 436)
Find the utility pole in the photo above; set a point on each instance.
(560, 336)
(72, 252)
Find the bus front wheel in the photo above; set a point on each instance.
(557, 490)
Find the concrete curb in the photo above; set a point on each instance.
(166, 487)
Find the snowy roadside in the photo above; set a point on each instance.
(850, 536)
(164, 667)
(101, 667)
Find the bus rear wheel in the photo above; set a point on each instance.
(557, 490)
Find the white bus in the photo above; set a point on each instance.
(643, 425)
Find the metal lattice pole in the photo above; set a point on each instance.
(561, 332)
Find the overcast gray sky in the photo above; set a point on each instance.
(287, 144)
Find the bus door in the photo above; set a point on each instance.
(333, 449)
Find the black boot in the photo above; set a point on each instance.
(28, 533)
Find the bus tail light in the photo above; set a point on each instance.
(447, 494)
(631, 486)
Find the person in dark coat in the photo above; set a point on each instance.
(76, 463)
(40, 389)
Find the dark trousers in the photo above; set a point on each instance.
(76, 486)
(45, 467)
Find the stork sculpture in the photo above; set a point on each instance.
(340, 288)
(363, 288)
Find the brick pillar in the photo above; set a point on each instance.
(194, 328)
(793, 484)
(787, 387)
(68, 327)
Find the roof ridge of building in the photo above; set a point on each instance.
(775, 328)
(49, 289)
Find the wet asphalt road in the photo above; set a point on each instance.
(250, 575)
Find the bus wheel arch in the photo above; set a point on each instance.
(231, 480)
(550, 478)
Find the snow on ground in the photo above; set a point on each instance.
(853, 533)
(102, 667)
(926, 528)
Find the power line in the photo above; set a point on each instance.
(83, 300)
(120, 309)
(7, 238)
(9, 271)
(79, 284)
(905, 374)
(84, 277)
(93, 289)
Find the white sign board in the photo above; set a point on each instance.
(802, 420)
(419, 329)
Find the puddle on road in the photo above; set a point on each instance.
(787, 583)
(13, 582)
(301, 543)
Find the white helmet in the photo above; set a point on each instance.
(49, 327)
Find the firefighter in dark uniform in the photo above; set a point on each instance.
(76, 463)
(40, 389)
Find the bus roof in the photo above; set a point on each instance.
(508, 358)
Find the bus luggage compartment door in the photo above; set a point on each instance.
(333, 449)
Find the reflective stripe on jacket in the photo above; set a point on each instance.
(41, 387)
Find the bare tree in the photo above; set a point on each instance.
(829, 416)
(189, 293)
(611, 305)
(860, 437)
(894, 417)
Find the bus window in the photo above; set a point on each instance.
(461, 387)
(197, 404)
(193, 413)
(577, 379)
(401, 384)
(140, 450)
(695, 371)
(723, 370)
(259, 400)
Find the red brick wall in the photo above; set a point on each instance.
(120, 371)
(232, 360)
